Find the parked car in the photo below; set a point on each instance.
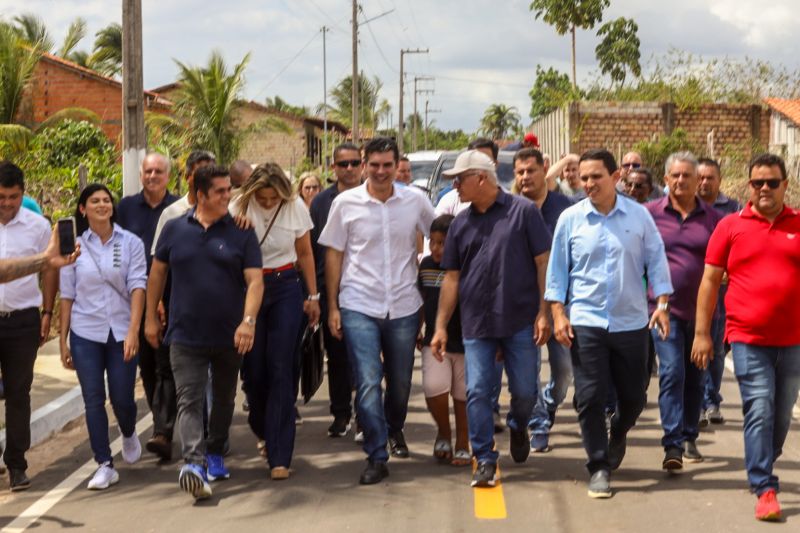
(438, 183)
(422, 165)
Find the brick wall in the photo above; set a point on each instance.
(262, 146)
(617, 126)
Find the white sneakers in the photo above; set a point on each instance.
(104, 477)
(131, 448)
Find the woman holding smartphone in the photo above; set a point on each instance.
(102, 299)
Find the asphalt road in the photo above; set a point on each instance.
(548, 493)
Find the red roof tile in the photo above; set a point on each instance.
(789, 108)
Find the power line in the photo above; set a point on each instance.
(380, 50)
(326, 15)
(287, 64)
(487, 82)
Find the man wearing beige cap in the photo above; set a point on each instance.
(496, 256)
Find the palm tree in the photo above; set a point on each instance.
(341, 108)
(206, 102)
(499, 120)
(106, 55)
(17, 64)
(75, 34)
(32, 29)
(279, 104)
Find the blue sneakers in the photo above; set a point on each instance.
(216, 467)
(193, 480)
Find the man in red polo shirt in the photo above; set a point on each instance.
(760, 249)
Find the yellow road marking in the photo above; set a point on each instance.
(490, 504)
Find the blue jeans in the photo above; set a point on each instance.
(716, 368)
(94, 361)
(551, 396)
(366, 338)
(268, 371)
(521, 361)
(680, 384)
(769, 378)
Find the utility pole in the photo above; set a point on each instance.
(414, 122)
(325, 164)
(426, 120)
(402, 85)
(354, 77)
(134, 142)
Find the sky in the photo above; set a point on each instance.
(480, 51)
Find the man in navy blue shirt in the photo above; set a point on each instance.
(215, 296)
(529, 176)
(348, 167)
(496, 256)
(139, 214)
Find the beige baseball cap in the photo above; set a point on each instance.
(471, 160)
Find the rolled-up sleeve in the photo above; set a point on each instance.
(558, 266)
(334, 234)
(656, 258)
(137, 270)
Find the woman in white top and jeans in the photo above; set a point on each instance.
(282, 223)
(102, 299)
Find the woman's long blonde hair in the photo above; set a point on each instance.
(265, 175)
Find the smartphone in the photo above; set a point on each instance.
(66, 235)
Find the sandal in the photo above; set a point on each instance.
(442, 450)
(461, 458)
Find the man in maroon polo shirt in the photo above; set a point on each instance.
(685, 223)
(759, 247)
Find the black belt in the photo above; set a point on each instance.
(11, 314)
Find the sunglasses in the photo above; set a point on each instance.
(348, 163)
(636, 185)
(631, 165)
(773, 183)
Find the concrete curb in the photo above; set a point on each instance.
(53, 416)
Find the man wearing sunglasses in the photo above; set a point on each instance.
(639, 184)
(760, 249)
(347, 167)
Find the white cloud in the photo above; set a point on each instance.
(762, 24)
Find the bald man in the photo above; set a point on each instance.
(239, 172)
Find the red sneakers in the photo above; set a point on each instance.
(767, 507)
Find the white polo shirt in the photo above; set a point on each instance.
(26, 234)
(173, 210)
(379, 242)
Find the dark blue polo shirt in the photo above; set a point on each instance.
(135, 215)
(208, 287)
(551, 209)
(498, 288)
(320, 207)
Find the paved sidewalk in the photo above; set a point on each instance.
(55, 396)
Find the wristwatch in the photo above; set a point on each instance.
(313, 297)
(250, 321)
(663, 306)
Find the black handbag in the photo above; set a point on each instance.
(312, 362)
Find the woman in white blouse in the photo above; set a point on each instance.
(102, 299)
(282, 223)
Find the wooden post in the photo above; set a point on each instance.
(133, 132)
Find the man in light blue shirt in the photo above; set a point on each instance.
(603, 246)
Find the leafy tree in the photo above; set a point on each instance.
(75, 34)
(206, 103)
(279, 104)
(618, 52)
(340, 107)
(106, 55)
(567, 15)
(551, 90)
(499, 120)
(17, 64)
(32, 29)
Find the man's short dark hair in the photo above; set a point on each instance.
(344, 146)
(11, 176)
(380, 145)
(600, 154)
(441, 223)
(405, 158)
(644, 172)
(707, 161)
(483, 142)
(524, 154)
(768, 160)
(205, 175)
(199, 156)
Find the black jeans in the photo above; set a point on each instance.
(340, 377)
(601, 360)
(19, 342)
(159, 385)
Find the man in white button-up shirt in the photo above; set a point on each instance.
(371, 275)
(22, 330)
